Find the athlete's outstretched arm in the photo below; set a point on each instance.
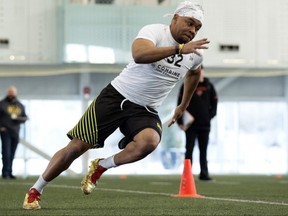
(190, 84)
(144, 51)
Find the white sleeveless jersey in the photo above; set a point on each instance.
(149, 84)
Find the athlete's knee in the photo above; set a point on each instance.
(151, 143)
(147, 142)
(76, 148)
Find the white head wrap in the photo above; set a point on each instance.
(189, 9)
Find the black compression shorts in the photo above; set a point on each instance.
(109, 111)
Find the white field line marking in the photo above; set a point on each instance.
(225, 183)
(156, 193)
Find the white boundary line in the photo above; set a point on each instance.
(162, 194)
(205, 197)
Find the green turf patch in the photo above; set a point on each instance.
(151, 195)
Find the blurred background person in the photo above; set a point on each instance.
(196, 121)
(12, 114)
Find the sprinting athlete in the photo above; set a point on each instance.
(162, 55)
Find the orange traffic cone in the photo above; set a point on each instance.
(187, 185)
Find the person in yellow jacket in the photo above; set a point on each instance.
(12, 115)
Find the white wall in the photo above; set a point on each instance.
(31, 26)
(259, 27)
(35, 30)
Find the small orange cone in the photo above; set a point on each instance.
(123, 176)
(187, 185)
